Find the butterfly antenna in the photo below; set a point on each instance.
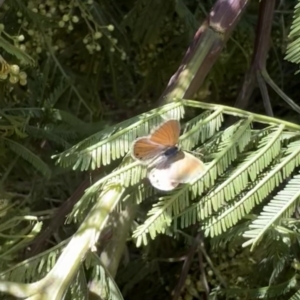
(195, 153)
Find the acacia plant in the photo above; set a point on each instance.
(74, 201)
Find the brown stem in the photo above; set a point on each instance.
(202, 269)
(186, 266)
(219, 25)
(265, 95)
(259, 58)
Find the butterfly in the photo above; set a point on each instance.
(168, 165)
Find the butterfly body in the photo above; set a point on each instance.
(168, 166)
(171, 151)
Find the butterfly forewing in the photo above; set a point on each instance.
(166, 134)
(145, 150)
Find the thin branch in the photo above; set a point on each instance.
(261, 48)
(202, 269)
(275, 87)
(265, 95)
(257, 73)
(215, 270)
(186, 266)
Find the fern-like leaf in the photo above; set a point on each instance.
(264, 292)
(169, 207)
(243, 168)
(186, 15)
(281, 206)
(26, 154)
(146, 30)
(25, 111)
(78, 289)
(201, 128)
(258, 191)
(23, 57)
(292, 51)
(45, 133)
(233, 140)
(237, 180)
(105, 283)
(296, 296)
(35, 267)
(232, 234)
(278, 267)
(24, 237)
(129, 173)
(114, 142)
(72, 120)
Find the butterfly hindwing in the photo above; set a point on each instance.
(181, 168)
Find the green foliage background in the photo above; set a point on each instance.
(72, 68)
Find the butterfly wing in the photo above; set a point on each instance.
(145, 150)
(148, 148)
(181, 168)
(166, 134)
(159, 178)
